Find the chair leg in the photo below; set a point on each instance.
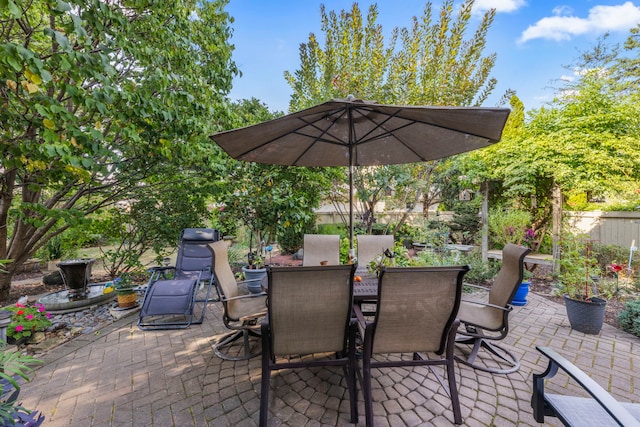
(366, 390)
(232, 337)
(504, 356)
(453, 391)
(264, 389)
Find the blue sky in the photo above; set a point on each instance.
(533, 39)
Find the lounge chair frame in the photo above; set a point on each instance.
(173, 293)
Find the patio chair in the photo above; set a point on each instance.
(174, 293)
(241, 313)
(321, 247)
(416, 314)
(483, 322)
(370, 246)
(309, 313)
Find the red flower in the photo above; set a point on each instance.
(20, 312)
(616, 267)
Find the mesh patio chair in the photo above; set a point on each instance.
(416, 314)
(241, 313)
(321, 247)
(370, 246)
(177, 296)
(309, 313)
(484, 322)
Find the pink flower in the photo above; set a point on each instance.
(29, 316)
(48, 315)
(19, 328)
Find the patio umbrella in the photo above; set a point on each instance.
(353, 132)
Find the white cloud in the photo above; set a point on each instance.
(600, 19)
(505, 6)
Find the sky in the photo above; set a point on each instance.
(535, 40)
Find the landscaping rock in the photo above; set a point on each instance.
(53, 279)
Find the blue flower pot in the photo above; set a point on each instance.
(520, 297)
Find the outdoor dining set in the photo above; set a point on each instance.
(326, 314)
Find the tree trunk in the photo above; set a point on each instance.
(5, 285)
(557, 225)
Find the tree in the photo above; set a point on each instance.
(431, 63)
(586, 142)
(100, 98)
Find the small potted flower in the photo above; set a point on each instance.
(126, 291)
(27, 320)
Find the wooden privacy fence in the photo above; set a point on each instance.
(611, 228)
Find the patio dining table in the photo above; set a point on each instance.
(365, 290)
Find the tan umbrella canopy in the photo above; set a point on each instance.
(353, 132)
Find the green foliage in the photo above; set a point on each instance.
(14, 366)
(586, 141)
(606, 255)
(481, 271)
(89, 116)
(344, 250)
(578, 266)
(338, 229)
(290, 239)
(436, 61)
(508, 226)
(151, 221)
(26, 320)
(629, 318)
(269, 200)
(465, 224)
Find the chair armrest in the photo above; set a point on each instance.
(600, 395)
(499, 307)
(361, 321)
(161, 268)
(261, 294)
(476, 287)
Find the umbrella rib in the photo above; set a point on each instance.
(296, 131)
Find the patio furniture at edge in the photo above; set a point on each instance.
(309, 313)
(416, 313)
(321, 247)
(484, 322)
(370, 246)
(170, 302)
(241, 313)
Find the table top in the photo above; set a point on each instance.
(367, 289)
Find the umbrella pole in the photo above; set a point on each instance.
(351, 211)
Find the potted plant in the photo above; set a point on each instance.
(126, 291)
(577, 269)
(520, 298)
(254, 272)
